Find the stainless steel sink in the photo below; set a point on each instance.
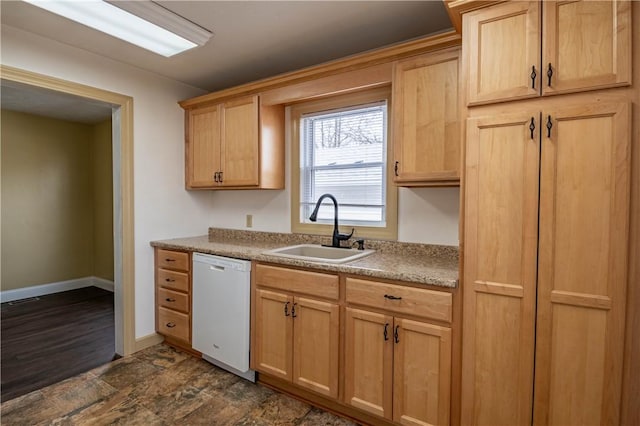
(317, 253)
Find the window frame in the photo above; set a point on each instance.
(390, 231)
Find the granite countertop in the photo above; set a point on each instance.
(415, 263)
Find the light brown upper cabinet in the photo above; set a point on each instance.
(585, 45)
(547, 278)
(234, 145)
(426, 120)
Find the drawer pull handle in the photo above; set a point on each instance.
(386, 333)
(395, 334)
(390, 297)
(168, 299)
(170, 325)
(169, 280)
(169, 260)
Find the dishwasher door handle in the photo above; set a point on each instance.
(216, 268)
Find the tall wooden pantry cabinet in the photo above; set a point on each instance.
(547, 208)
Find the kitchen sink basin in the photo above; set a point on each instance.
(317, 253)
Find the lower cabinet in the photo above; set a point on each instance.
(421, 373)
(173, 296)
(388, 359)
(297, 338)
(369, 361)
(397, 368)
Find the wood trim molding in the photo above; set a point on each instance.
(455, 9)
(349, 63)
(39, 80)
(343, 83)
(125, 103)
(148, 341)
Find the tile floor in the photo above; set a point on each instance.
(160, 386)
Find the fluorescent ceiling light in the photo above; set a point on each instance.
(126, 26)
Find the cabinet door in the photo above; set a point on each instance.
(239, 152)
(586, 44)
(584, 219)
(499, 295)
(426, 119)
(316, 336)
(501, 49)
(422, 373)
(203, 147)
(368, 370)
(274, 330)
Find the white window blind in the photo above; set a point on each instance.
(343, 152)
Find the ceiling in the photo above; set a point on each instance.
(49, 103)
(252, 39)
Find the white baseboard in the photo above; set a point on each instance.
(57, 287)
(103, 284)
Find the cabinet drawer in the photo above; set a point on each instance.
(170, 259)
(313, 283)
(173, 300)
(172, 323)
(419, 302)
(172, 279)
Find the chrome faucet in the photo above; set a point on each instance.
(337, 236)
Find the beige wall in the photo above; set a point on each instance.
(102, 164)
(49, 230)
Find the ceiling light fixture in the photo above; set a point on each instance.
(143, 23)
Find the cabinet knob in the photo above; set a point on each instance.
(532, 126)
(549, 74)
(533, 77)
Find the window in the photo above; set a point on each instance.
(340, 148)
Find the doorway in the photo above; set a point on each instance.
(122, 145)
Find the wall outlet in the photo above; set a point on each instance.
(249, 220)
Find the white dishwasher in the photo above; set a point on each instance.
(221, 306)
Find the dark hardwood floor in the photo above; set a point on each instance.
(50, 338)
